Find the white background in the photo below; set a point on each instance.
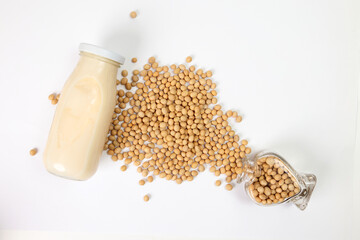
(289, 67)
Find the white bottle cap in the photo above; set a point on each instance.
(85, 47)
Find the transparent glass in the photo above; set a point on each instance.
(302, 183)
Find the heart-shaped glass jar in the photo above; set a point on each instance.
(270, 180)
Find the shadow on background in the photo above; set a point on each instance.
(125, 42)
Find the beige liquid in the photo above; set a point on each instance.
(82, 118)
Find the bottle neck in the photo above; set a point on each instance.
(91, 64)
(250, 170)
(86, 55)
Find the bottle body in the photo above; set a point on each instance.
(82, 118)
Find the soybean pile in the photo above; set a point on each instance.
(168, 124)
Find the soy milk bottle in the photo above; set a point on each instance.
(83, 115)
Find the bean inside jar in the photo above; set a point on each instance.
(273, 183)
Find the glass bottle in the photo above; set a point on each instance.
(83, 115)
(259, 166)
